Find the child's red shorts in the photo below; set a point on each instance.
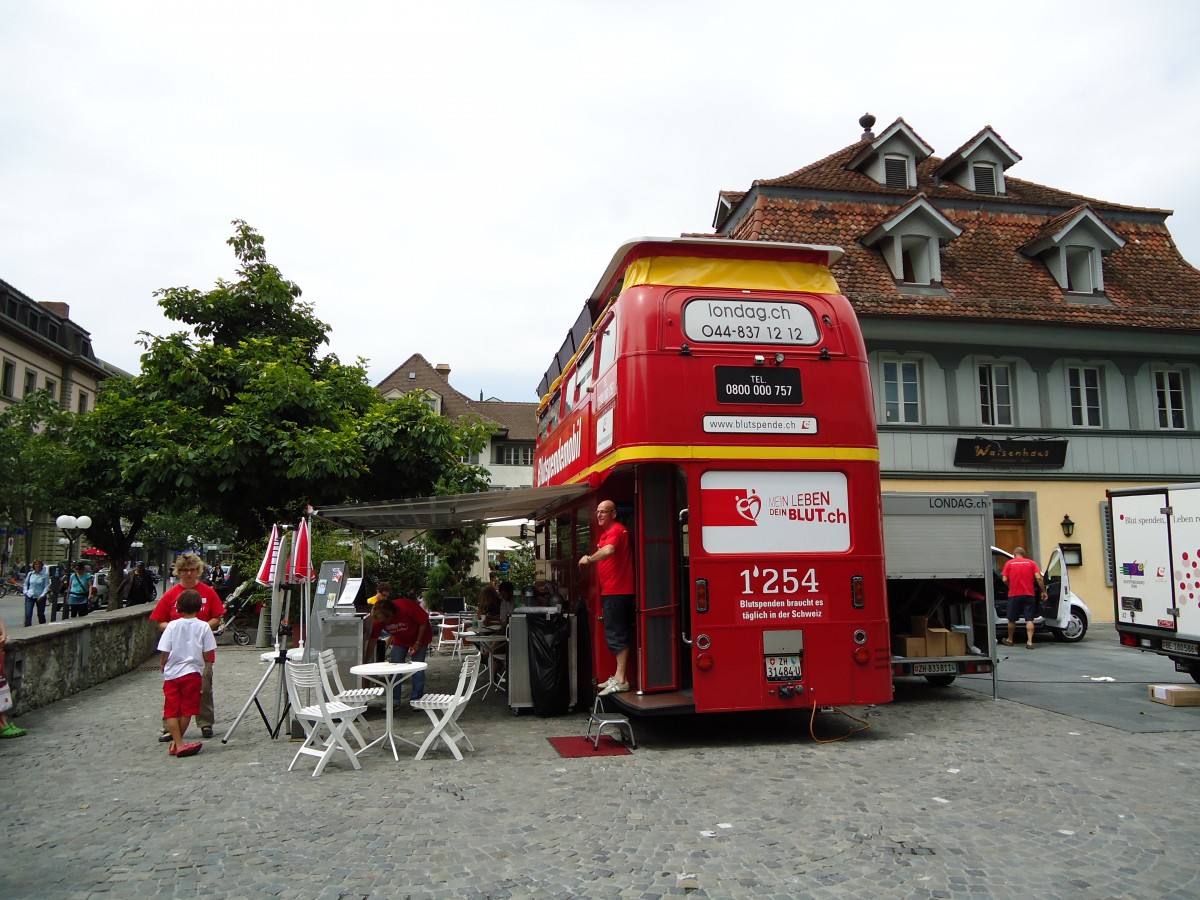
(182, 696)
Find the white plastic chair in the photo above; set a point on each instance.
(329, 666)
(334, 691)
(444, 710)
(325, 722)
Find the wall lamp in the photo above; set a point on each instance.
(1068, 526)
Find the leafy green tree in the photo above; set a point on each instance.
(242, 415)
(31, 458)
(457, 550)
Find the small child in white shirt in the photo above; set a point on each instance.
(186, 644)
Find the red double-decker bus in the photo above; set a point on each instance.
(718, 393)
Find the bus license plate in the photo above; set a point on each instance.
(935, 669)
(1181, 647)
(783, 668)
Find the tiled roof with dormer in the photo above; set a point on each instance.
(1147, 282)
(513, 421)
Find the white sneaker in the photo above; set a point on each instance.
(614, 687)
(606, 684)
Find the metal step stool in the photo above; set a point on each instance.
(599, 719)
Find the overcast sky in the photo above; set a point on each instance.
(451, 178)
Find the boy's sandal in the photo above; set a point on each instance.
(189, 749)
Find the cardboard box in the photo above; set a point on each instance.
(908, 645)
(936, 640)
(956, 644)
(1175, 694)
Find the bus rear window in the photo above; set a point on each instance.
(734, 321)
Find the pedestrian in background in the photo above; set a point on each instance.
(136, 587)
(188, 646)
(35, 589)
(81, 589)
(7, 728)
(188, 569)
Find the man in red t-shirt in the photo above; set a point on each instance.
(188, 569)
(614, 567)
(407, 625)
(1019, 575)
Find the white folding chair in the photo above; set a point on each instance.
(444, 710)
(325, 722)
(329, 666)
(334, 691)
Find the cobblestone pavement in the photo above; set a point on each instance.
(948, 794)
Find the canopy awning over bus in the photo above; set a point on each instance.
(451, 510)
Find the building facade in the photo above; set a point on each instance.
(41, 349)
(1024, 341)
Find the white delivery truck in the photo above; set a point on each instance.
(1156, 577)
(938, 556)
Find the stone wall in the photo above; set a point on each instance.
(49, 662)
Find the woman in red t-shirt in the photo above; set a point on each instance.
(407, 625)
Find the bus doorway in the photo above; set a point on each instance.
(662, 495)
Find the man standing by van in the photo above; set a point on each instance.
(1019, 575)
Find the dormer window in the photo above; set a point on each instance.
(895, 171)
(985, 178)
(891, 159)
(911, 242)
(979, 164)
(1084, 273)
(1072, 247)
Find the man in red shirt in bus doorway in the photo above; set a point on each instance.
(614, 566)
(1019, 574)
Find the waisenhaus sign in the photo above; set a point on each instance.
(1029, 454)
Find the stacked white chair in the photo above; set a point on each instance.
(444, 711)
(325, 722)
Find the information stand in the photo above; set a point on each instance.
(333, 624)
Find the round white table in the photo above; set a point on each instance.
(389, 675)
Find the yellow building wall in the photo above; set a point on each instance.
(1078, 499)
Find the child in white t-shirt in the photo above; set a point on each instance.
(186, 644)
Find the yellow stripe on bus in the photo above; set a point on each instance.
(735, 274)
(669, 453)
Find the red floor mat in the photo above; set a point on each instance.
(577, 746)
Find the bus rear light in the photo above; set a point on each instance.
(701, 595)
(857, 594)
(861, 656)
(704, 662)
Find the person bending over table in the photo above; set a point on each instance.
(407, 626)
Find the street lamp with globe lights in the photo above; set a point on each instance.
(71, 527)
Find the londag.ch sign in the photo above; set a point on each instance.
(1027, 454)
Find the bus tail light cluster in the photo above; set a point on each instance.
(704, 662)
(857, 592)
(701, 595)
